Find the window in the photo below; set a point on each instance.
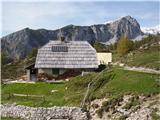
(55, 71)
(60, 48)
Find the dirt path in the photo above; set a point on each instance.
(142, 69)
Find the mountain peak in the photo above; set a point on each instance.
(26, 29)
(128, 17)
(18, 44)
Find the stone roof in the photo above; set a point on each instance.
(73, 54)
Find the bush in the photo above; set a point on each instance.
(99, 112)
(106, 105)
(155, 116)
(95, 105)
(123, 117)
(133, 102)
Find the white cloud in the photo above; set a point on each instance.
(19, 15)
(52, 15)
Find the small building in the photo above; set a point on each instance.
(62, 58)
(104, 58)
(57, 57)
(31, 72)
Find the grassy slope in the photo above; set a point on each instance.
(148, 58)
(120, 83)
(15, 69)
(12, 71)
(145, 53)
(110, 83)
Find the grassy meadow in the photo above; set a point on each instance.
(39, 89)
(108, 83)
(112, 84)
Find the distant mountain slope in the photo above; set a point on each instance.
(17, 45)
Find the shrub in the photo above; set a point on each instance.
(99, 112)
(132, 102)
(95, 105)
(123, 117)
(107, 105)
(155, 116)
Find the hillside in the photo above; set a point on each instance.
(15, 70)
(110, 87)
(18, 44)
(147, 58)
(145, 54)
(111, 83)
(114, 93)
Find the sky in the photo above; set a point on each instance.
(16, 15)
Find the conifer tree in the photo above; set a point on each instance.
(124, 45)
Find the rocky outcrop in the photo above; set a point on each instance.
(139, 108)
(41, 113)
(17, 45)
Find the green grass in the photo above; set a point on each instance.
(39, 88)
(111, 83)
(148, 58)
(155, 116)
(135, 82)
(114, 83)
(8, 118)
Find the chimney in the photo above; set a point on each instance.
(62, 38)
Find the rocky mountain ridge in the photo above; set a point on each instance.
(18, 44)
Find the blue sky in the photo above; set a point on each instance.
(53, 15)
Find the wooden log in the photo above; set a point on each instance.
(27, 95)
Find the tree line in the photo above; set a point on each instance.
(124, 45)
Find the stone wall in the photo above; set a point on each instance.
(41, 113)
